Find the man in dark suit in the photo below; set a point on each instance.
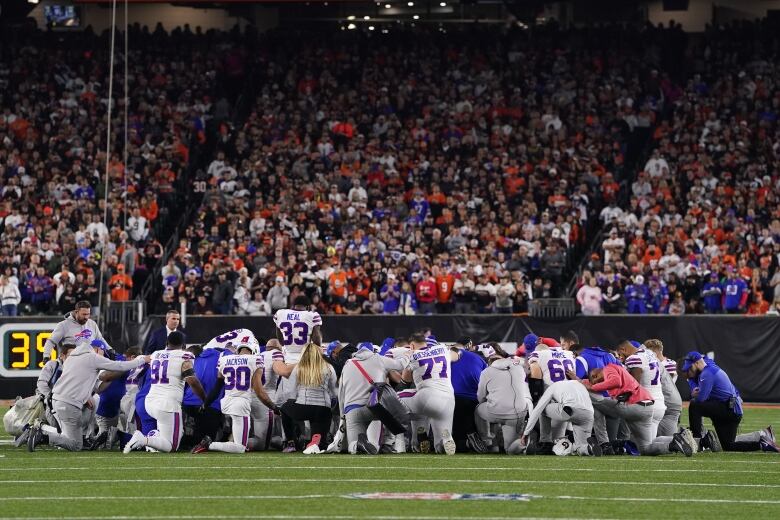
(159, 338)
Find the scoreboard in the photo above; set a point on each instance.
(21, 348)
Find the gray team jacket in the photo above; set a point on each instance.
(44, 384)
(80, 371)
(315, 396)
(66, 331)
(503, 387)
(354, 389)
(672, 397)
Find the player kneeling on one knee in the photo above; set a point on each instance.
(632, 403)
(241, 376)
(567, 401)
(169, 369)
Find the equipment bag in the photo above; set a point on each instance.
(385, 404)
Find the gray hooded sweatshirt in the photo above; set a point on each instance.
(80, 371)
(354, 389)
(66, 332)
(503, 387)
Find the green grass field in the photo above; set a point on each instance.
(108, 485)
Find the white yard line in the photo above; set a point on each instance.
(293, 517)
(681, 500)
(372, 480)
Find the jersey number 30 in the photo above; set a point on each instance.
(237, 378)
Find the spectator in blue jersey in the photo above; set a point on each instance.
(711, 294)
(714, 396)
(735, 293)
(390, 295)
(659, 296)
(420, 206)
(637, 296)
(466, 369)
(208, 421)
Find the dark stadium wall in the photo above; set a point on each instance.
(747, 348)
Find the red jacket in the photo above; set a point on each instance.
(618, 381)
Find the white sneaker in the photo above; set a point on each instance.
(312, 450)
(149, 449)
(688, 435)
(136, 442)
(449, 442)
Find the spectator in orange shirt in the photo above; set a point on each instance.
(444, 285)
(120, 285)
(337, 287)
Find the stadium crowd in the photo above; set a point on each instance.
(53, 233)
(701, 233)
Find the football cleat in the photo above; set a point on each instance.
(680, 445)
(607, 449)
(767, 445)
(387, 449)
(289, 447)
(422, 440)
(769, 432)
(449, 443)
(203, 445)
(136, 442)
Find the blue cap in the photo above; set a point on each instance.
(331, 347)
(387, 344)
(530, 342)
(431, 341)
(99, 343)
(366, 345)
(691, 358)
(635, 343)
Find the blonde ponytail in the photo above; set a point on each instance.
(311, 367)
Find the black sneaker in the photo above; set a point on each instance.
(363, 446)
(21, 440)
(98, 442)
(475, 443)
(680, 445)
(422, 440)
(36, 435)
(607, 450)
(711, 441)
(545, 448)
(386, 449)
(594, 448)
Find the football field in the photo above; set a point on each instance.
(108, 485)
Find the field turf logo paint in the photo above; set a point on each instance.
(514, 497)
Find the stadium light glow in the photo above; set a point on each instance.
(370, 27)
(443, 4)
(351, 17)
(388, 6)
(410, 4)
(416, 17)
(366, 17)
(351, 26)
(32, 1)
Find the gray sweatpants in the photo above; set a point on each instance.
(639, 420)
(358, 421)
(668, 425)
(581, 423)
(71, 421)
(511, 428)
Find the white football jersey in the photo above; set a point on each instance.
(270, 378)
(553, 362)
(167, 385)
(296, 328)
(671, 366)
(651, 372)
(233, 339)
(237, 371)
(399, 352)
(431, 368)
